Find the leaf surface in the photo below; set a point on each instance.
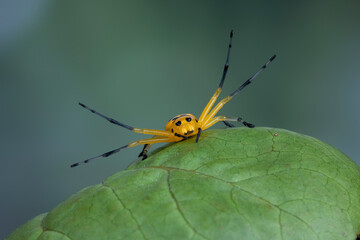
(237, 183)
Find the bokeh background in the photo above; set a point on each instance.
(143, 62)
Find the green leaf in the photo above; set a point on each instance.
(236, 183)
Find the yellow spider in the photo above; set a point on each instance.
(183, 126)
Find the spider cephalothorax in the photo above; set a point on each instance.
(183, 126)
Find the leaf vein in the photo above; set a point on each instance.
(256, 196)
(179, 209)
(124, 206)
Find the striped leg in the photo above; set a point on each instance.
(217, 108)
(137, 130)
(218, 90)
(149, 141)
(226, 119)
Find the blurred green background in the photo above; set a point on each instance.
(143, 62)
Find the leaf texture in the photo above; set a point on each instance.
(237, 183)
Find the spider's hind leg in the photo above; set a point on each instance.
(247, 124)
(228, 124)
(226, 120)
(219, 89)
(148, 141)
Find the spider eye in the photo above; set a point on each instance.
(188, 119)
(178, 123)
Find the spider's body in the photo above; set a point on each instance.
(183, 126)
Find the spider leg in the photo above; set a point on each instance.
(198, 135)
(216, 109)
(149, 141)
(143, 154)
(225, 119)
(228, 124)
(147, 147)
(137, 130)
(100, 156)
(218, 90)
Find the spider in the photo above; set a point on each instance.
(183, 126)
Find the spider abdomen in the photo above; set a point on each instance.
(183, 125)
